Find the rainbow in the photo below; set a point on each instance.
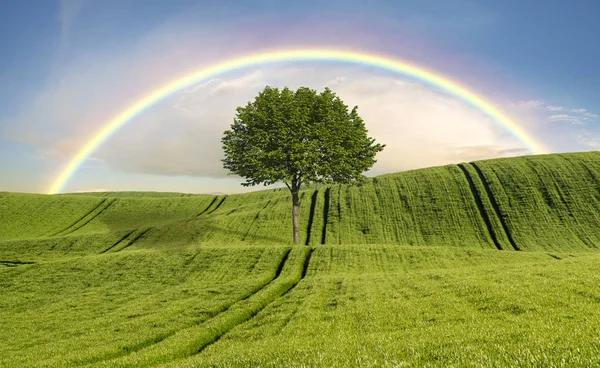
(270, 57)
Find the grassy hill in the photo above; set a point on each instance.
(546, 202)
(491, 263)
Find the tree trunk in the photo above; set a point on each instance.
(296, 215)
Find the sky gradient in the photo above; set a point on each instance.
(70, 66)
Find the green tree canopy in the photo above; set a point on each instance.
(298, 137)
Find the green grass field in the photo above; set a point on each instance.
(491, 263)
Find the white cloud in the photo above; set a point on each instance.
(94, 190)
(528, 104)
(337, 81)
(478, 152)
(575, 116)
(541, 105)
(69, 10)
(566, 118)
(252, 80)
(421, 127)
(589, 140)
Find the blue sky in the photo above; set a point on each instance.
(68, 66)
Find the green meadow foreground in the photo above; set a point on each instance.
(492, 263)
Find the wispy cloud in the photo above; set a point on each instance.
(480, 152)
(576, 120)
(68, 13)
(528, 104)
(252, 80)
(589, 140)
(575, 116)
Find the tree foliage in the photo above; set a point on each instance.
(298, 137)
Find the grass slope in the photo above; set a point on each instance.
(114, 305)
(362, 305)
(549, 201)
(525, 203)
(373, 309)
(411, 269)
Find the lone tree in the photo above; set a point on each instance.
(298, 137)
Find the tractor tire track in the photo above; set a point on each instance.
(126, 241)
(327, 201)
(218, 205)
(157, 339)
(15, 263)
(495, 206)
(254, 312)
(84, 220)
(118, 241)
(204, 210)
(480, 207)
(311, 215)
(132, 240)
(48, 234)
(298, 307)
(306, 264)
(254, 220)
